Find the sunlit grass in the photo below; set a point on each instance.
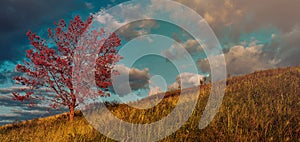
(263, 106)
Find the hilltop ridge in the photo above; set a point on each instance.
(261, 106)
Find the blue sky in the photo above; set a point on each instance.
(252, 37)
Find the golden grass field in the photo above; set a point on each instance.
(262, 106)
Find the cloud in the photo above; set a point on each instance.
(89, 5)
(217, 13)
(231, 20)
(177, 51)
(17, 16)
(136, 29)
(7, 101)
(246, 16)
(186, 80)
(154, 90)
(157, 84)
(281, 14)
(7, 73)
(130, 79)
(286, 47)
(243, 60)
(282, 50)
(27, 114)
(126, 30)
(24, 110)
(241, 21)
(276, 33)
(23, 89)
(9, 117)
(108, 19)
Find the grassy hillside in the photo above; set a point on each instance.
(262, 106)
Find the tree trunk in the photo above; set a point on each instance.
(72, 107)
(72, 112)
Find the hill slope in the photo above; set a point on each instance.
(262, 106)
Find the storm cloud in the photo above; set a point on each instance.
(129, 79)
(18, 16)
(272, 24)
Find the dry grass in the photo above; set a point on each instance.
(263, 106)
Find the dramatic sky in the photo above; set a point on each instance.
(254, 35)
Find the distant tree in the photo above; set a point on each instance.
(52, 67)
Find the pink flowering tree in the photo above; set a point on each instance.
(52, 67)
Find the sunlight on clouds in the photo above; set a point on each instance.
(242, 60)
(187, 80)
